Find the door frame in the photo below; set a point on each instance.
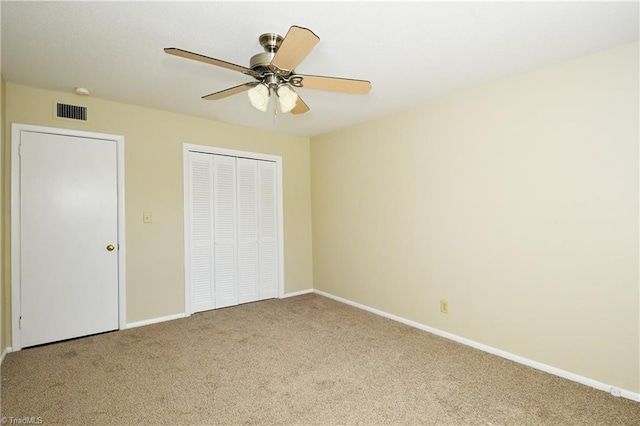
(16, 132)
(186, 148)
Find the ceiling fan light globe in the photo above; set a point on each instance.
(259, 97)
(287, 98)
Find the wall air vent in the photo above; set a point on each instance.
(71, 112)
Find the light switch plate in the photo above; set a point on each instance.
(146, 217)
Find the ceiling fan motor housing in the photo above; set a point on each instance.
(262, 61)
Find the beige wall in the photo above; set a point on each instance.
(153, 182)
(516, 201)
(3, 272)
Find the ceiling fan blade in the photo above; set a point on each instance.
(300, 107)
(334, 84)
(295, 46)
(208, 60)
(229, 92)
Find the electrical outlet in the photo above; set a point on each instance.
(444, 306)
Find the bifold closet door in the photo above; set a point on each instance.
(257, 230)
(213, 243)
(233, 231)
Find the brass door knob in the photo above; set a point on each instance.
(110, 247)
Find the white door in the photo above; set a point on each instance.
(68, 237)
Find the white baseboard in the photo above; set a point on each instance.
(155, 320)
(296, 293)
(4, 353)
(521, 360)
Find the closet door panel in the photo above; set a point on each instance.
(225, 231)
(267, 230)
(226, 292)
(268, 270)
(247, 194)
(233, 226)
(201, 229)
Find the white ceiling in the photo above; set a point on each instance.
(410, 51)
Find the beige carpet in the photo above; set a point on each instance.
(307, 360)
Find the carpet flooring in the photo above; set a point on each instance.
(305, 360)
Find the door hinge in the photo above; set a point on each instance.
(20, 150)
(20, 323)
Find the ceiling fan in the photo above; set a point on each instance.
(274, 71)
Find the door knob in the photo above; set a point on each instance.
(110, 247)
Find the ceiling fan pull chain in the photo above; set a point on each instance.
(273, 100)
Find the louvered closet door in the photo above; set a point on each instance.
(225, 225)
(233, 229)
(247, 177)
(267, 230)
(201, 231)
